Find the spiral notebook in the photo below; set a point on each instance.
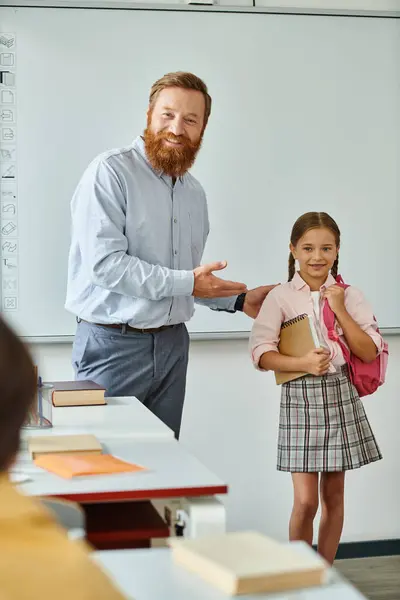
(298, 337)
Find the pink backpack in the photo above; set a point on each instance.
(366, 377)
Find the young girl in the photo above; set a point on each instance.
(323, 429)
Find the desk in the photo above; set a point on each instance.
(172, 472)
(130, 431)
(134, 572)
(120, 418)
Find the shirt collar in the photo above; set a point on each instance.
(138, 145)
(298, 282)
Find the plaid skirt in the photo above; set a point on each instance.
(323, 426)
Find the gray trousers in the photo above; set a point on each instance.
(150, 366)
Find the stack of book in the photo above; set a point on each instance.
(76, 456)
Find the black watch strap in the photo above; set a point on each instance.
(240, 302)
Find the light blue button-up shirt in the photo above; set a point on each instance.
(136, 239)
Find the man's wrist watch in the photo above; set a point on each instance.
(239, 304)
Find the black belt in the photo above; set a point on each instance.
(123, 327)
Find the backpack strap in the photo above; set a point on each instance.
(329, 320)
(340, 282)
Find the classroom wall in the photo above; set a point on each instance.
(230, 424)
(231, 419)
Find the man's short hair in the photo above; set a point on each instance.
(186, 81)
(17, 392)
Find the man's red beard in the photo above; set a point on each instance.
(173, 161)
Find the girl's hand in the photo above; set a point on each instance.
(317, 361)
(335, 296)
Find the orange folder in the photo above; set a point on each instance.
(82, 465)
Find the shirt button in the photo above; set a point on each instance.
(175, 220)
(175, 252)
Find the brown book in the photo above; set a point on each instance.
(77, 393)
(298, 337)
(248, 562)
(63, 444)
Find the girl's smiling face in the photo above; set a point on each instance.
(316, 252)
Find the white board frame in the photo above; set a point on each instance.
(345, 8)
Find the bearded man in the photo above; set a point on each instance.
(139, 226)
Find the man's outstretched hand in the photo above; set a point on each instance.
(254, 299)
(207, 285)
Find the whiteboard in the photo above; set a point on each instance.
(305, 117)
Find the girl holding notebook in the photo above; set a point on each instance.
(323, 428)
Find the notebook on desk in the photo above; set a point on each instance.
(298, 337)
(69, 466)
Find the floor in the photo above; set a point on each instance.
(376, 578)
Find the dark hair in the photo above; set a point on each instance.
(313, 220)
(186, 81)
(17, 392)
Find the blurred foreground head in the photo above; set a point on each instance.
(17, 392)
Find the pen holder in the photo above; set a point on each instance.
(40, 413)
